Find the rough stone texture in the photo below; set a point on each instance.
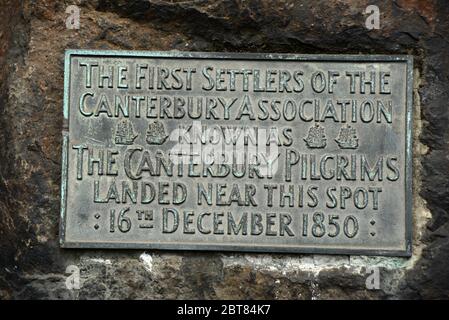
(33, 39)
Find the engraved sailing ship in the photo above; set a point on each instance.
(124, 133)
(347, 138)
(316, 137)
(156, 133)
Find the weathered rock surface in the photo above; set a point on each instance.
(33, 39)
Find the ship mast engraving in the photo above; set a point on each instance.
(316, 138)
(156, 133)
(347, 138)
(124, 133)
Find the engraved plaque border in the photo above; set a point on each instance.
(408, 59)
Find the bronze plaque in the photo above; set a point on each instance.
(243, 152)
